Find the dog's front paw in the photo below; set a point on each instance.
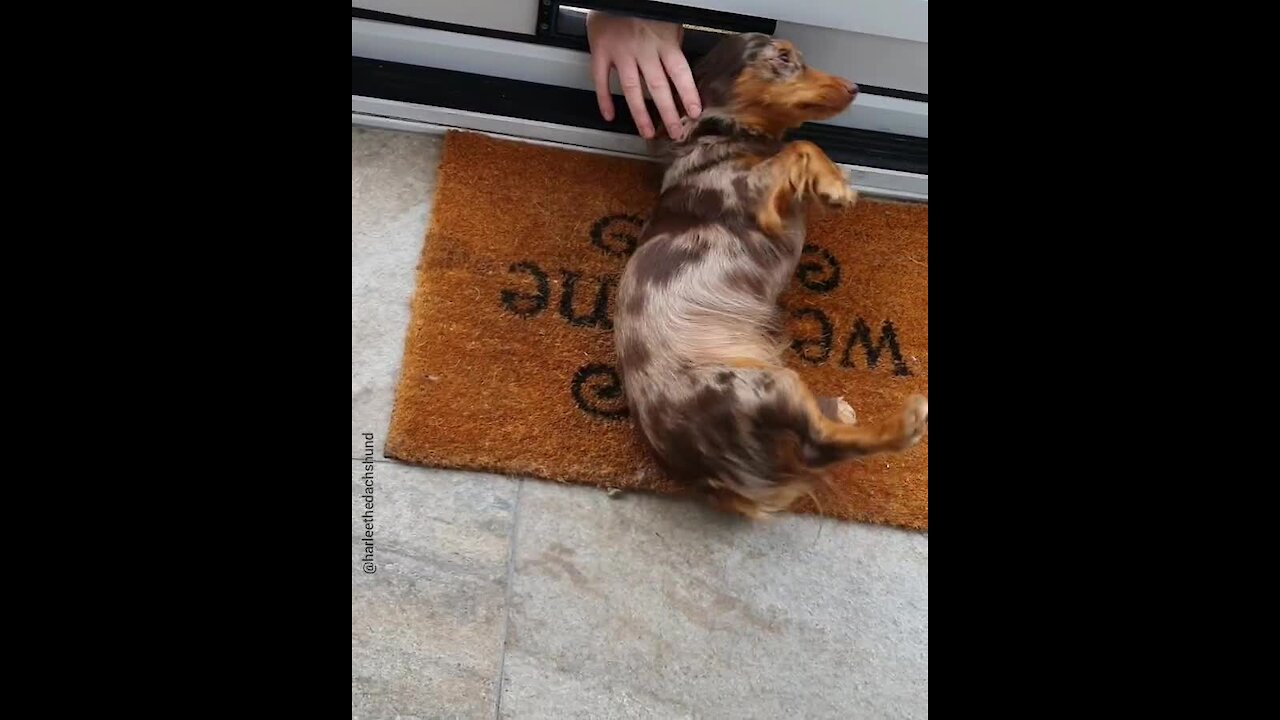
(837, 193)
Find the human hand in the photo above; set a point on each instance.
(637, 47)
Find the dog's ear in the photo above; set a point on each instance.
(719, 69)
(779, 60)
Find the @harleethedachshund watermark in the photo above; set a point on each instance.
(367, 561)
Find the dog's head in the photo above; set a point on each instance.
(764, 84)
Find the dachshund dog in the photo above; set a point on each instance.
(698, 329)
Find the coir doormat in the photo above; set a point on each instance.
(509, 360)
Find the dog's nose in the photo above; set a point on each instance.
(853, 89)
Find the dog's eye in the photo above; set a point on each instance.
(784, 55)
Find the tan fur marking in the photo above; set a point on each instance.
(771, 108)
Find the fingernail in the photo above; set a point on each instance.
(695, 111)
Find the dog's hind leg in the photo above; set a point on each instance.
(834, 441)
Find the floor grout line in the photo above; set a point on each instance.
(506, 617)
